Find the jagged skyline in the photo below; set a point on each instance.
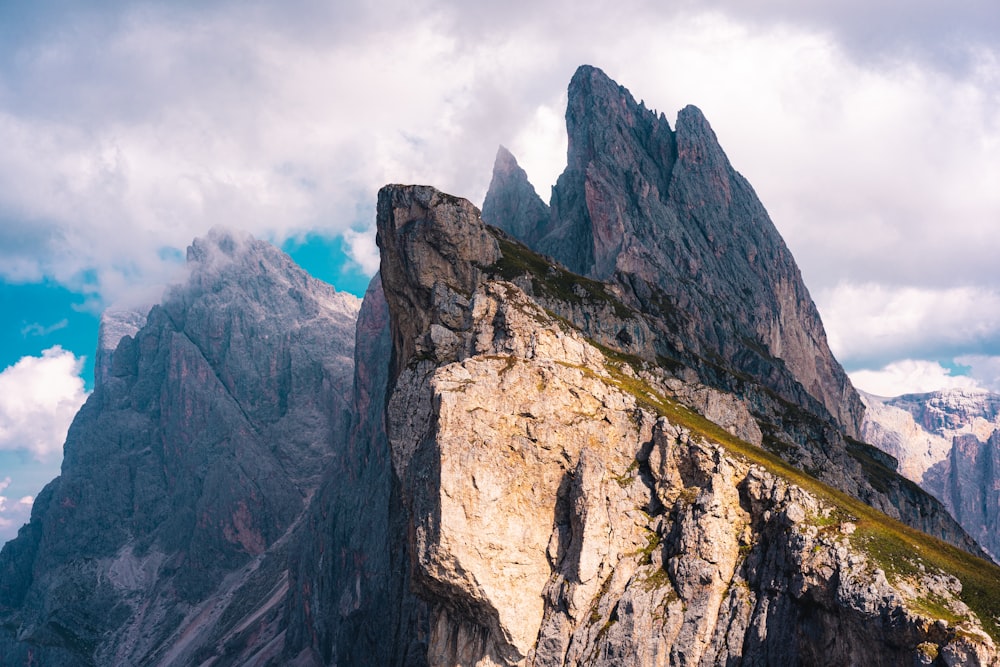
(131, 128)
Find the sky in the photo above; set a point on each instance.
(870, 131)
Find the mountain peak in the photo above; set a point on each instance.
(220, 242)
(592, 82)
(658, 210)
(511, 202)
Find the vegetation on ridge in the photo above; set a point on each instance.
(901, 551)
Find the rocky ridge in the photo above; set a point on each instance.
(947, 442)
(686, 270)
(662, 214)
(563, 509)
(187, 471)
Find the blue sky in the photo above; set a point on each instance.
(872, 135)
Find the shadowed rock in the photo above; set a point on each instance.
(194, 457)
(662, 213)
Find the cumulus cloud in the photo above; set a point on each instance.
(910, 376)
(39, 396)
(871, 324)
(176, 120)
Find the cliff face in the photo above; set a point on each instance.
(350, 601)
(495, 461)
(663, 214)
(565, 509)
(947, 442)
(186, 471)
(967, 483)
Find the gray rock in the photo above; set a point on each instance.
(947, 442)
(164, 541)
(512, 203)
(664, 214)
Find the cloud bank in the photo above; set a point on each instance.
(39, 396)
(870, 133)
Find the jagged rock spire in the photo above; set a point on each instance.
(663, 213)
(512, 203)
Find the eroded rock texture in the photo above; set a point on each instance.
(663, 214)
(558, 517)
(165, 540)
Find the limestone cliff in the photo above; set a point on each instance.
(565, 509)
(662, 213)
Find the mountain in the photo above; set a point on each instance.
(662, 214)
(208, 430)
(947, 441)
(672, 232)
(495, 460)
(567, 508)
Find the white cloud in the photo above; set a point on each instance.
(36, 329)
(984, 368)
(869, 323)
(362, 249)
(910, 376)
(39, 396)
(140, 130)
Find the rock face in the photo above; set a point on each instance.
(165, 538)
(350, 588)
(947, 442)
(662, 213)
(703, 283)
(513, 199)
(564, 510)
(495, 461)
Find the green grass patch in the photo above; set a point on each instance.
(895, 547)
(550, 280)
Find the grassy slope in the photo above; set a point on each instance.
(899, 550)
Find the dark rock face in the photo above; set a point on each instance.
(967, 483)
(196, 454)
(511, 197)
(663, 214)
(351, 584)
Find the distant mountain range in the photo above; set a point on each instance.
(946, 441)
(603, 430)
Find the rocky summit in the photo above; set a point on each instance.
(604, 431)
(195, 457)
(662, 214)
